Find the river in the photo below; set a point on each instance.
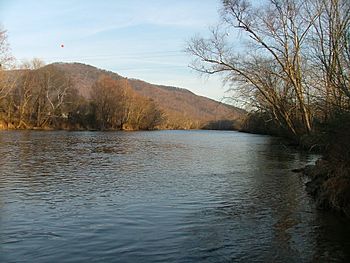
(162, 196)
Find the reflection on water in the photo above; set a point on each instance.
(167, 196)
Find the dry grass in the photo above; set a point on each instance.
(330, 178)
(336, 190)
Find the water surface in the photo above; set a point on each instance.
(164, 196)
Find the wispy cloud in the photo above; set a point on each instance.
(137, 35)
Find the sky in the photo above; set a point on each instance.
(134, 38)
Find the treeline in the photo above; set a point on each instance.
(290, 63)
(113, 105)
(43, 97)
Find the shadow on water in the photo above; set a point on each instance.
(271, 219)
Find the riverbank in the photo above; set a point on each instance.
(330, 176)
(62, 127)
(219, 125)
(329, 185)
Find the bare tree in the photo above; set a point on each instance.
(144, 114)
(269, 60)
(331, 52)
(49, 91)
(110, 101)
(24, 91)
(6, 61)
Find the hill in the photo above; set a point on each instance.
(182, 108)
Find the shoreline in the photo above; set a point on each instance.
(329, 183)
(329, 186)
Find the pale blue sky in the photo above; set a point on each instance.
(134, 38)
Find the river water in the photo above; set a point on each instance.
(163, 196)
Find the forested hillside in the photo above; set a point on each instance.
(182, 108)
(79, 96)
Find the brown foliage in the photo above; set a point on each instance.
(109, 99)
(83, 97)
(181, 109)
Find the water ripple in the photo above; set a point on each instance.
(168, 196)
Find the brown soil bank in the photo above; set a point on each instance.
(330, 176)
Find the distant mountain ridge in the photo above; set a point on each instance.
(182, 107)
